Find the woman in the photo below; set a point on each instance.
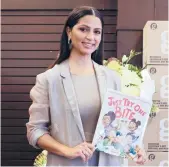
(67, 98)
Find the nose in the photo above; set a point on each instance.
(90, 36)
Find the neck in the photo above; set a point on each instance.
(80, 64)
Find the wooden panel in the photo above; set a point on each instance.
(110, 47)
(33, 20)
(161, 10)
(17, 162)
(104, 12)
(15, 97)
(29, 54)
(20, 147)
(31, 37)
(15, 105)
(31, 28)
(26, 63)
(30, 46)
(16, 88)
(50, 55)
(124, 45)
(30, 43)
(35, 71)
(38, 12)
(44, 29)
(14, 139)
(109, 54)
(22, 72)
(51, 46)
(45, 37)
(110, 37)
(29, 63)
(13, 130)
(19, 155)
(14, 122)
(135, 15)
(45, 20)
(53, 4)
(17, 80)
(15, 114)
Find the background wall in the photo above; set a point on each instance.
(31, 32)
(131, 21)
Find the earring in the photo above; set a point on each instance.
(70, 44)
(68, 41)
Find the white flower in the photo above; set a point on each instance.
(130, 90)
(114, 65)
(124, 58)
(130, 77)
(134, 80)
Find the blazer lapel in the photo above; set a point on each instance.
(70, 91)
(101, 79)
(71, 96)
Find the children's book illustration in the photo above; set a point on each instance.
(121, 124)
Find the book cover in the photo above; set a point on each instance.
(121, 124)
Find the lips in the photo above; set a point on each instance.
(88, 45)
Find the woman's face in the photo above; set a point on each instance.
(86, 35)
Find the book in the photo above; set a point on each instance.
(121, 124)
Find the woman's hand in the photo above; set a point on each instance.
(84, 150)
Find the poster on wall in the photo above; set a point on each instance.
(155, 43)
(158, 127)
(155, 57)
(159, 73)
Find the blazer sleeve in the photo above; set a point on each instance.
(38, 111)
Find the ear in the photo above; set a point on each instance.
(69, 32)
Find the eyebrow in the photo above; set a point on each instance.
(89, 27)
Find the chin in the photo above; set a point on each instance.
(84, 52)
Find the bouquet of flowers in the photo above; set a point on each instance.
(134, 81)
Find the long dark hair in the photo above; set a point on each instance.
(72, 20)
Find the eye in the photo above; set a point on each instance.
(83, 29)
(97, 32)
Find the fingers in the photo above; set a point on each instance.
(83, 156)
(87, 150)
(86, 154)
(90, 146)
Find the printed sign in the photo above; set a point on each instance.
(156, 42)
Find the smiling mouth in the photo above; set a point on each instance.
(88, 45)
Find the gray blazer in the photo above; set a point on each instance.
(55, 104)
